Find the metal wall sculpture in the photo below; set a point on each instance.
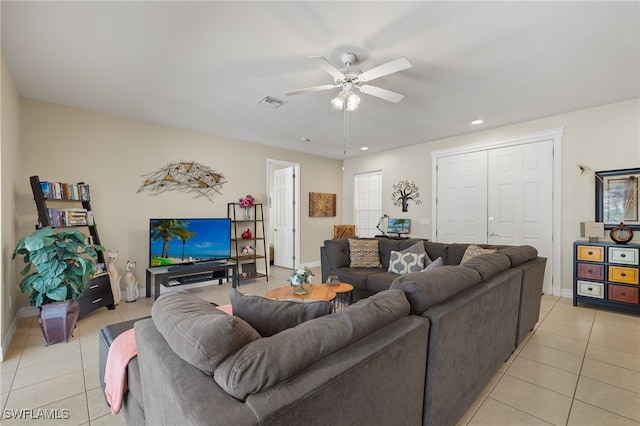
(185, 176)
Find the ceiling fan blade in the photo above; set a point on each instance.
(328, 67)
(385, 69)
(311, 89)
(379, 92)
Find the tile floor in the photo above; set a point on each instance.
(580, 366)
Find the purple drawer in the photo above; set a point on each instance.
(591, 271)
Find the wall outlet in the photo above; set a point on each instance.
(424, 222)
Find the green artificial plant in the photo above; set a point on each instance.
(63, 263)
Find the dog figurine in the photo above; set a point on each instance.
(132, 282)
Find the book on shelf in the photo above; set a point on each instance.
(64, 191)
(67, 217)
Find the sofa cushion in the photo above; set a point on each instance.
(488, 265)
(266, 362)
(364, 253)
(380, 281)
(426, 289)
(338, 252)
(519, 254)
(198, 332)
(474, 250)
(403, 263)
(268, 316)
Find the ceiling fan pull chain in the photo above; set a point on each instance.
(346, 130)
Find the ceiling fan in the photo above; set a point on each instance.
(350, 78)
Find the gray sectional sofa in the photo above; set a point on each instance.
(419, 351)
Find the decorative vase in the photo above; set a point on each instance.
(58, 319)
(247, 213)
(301, 289)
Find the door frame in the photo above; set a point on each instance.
(272, 165)
(552, 134)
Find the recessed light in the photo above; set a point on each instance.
(305, 139)
(478, 121)
(364, 148)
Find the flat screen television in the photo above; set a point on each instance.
(176, 241)
(398, 226)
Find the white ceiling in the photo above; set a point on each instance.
(204, 65)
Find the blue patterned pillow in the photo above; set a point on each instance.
(403, 263)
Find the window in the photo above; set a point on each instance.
(367, 203)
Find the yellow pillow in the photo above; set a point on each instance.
(364, 253)
(473, 251)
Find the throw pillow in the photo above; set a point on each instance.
(473, 251)
(418, 248)
(364, 253)
(433, 265)
(400, 263)
(269, 317)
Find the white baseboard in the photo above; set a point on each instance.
(567, 292)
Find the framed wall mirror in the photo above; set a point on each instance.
(617, 198)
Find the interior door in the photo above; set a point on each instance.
(461, 201)
(284, 218)
(520, 208)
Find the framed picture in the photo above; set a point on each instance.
(617, 196)
(322, 205)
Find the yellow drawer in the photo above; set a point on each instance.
(622, 274)
(591, 253)
(590, 289)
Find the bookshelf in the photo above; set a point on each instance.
(64, 205)
(248, 262)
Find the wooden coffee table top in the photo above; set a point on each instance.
(341, 288)
(318, 292)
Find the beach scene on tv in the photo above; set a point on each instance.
(398, 226)
(176, 241)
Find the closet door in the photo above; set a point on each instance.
(520, 198)
(461, 200)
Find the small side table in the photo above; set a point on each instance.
(344, 296)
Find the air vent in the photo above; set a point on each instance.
(271, 101)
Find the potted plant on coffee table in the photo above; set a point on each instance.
(59, 266)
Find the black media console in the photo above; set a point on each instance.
(171, 276)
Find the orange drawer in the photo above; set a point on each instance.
(592, 253)
(621, 293)
(622, 274)
(590, 271)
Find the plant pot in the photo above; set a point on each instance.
(57, 320)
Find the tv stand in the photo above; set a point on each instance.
(176, 275)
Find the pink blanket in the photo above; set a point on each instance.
(120, 353)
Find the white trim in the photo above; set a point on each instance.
(552, 134)
(296, 192)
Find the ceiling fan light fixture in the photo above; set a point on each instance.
(338, 101)
(353, 101)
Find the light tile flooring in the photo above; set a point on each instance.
(580, 366)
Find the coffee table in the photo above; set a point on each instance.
(318, 292)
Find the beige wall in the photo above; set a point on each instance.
(604, 138)
(112, 154)
(9, 169)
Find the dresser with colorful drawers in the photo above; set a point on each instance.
(606, 274)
